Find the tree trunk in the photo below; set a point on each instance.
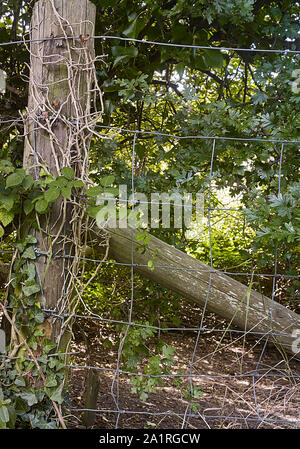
(58, 94)
(4, 272)
(240, 305)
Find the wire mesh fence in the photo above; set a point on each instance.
(218, 376)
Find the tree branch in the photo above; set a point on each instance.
(168, 84)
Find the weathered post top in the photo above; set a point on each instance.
(58, 132)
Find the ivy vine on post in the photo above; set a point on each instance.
(45, 195)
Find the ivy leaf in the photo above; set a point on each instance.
(21, 406)
(4, 415)
(39, 317)
(16, 178)
(30, 288)
(30, 239)
(51, 381)
(143, 396)
(48, 346)
(29, 253)
(29, 397)
(29, 271)
(20, 381)
(12, 416)
(56, 395)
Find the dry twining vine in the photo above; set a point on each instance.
(45, 286)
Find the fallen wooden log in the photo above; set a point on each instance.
(240, 305)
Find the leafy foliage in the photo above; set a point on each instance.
(168, 91)
(28, 393)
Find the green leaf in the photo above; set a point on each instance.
(61, 181)
(180, 67)
(123, 53)
(52, 194)
(78, 183)
(92, 211)
(6, 217)
(20, 381)
(143, 396)
(66, 192)
(135, 28)
(151, 265)
(28, 206)
(4, 415)
(68, 173)
(12, 416)
(6, 167)
(94, 191)
(48, 346)
(168, 351)
(112, 190)
(56, 394)
(30, 239)
(41, 206)
(139, 237)
(16, 178)
(30, 288)
(29, 253)
(51, 381)
(107, 181)
(21, 406)
(43, 359)
(197, 393)
(131, 51)
(213, 58)
(289, 227)
(29, 270)
(28, 182)
(259, 97)
(7, 201)
(39, 317)
(1, 231)
(29, 397)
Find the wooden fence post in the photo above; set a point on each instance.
(58, 93)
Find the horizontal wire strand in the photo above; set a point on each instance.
(158, 43)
